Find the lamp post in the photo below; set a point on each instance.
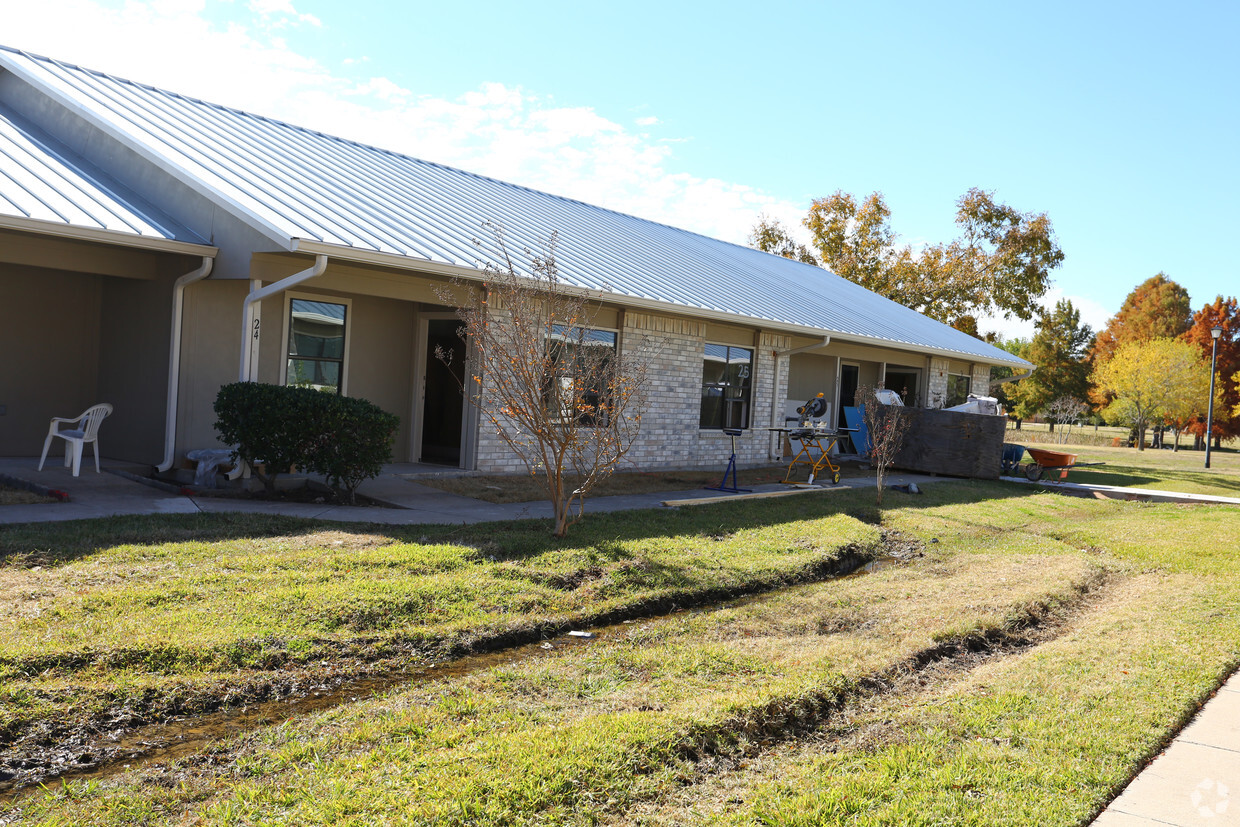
(1215, 332)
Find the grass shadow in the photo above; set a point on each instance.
(602, 534)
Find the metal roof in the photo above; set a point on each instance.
(43, 181)
(294, 183)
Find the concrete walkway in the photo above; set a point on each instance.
(1196, 780)
(410, 501)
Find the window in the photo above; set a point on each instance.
(316, 344)
(726, 375)
(581, 360)
(958, 386)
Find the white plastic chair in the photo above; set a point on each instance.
(85, 429)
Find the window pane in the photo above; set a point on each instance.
(727, 374)
(316, 329)
(314, 373)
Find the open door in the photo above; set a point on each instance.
(849, 378)
(443, 406)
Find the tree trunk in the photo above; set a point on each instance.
(1141, 438)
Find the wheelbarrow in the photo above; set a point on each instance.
(1044, 461)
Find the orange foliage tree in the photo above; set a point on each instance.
(1157, 308)
(1223, 313)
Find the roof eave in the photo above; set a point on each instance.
(394, 260)
(101, 236)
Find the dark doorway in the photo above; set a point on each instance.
(904, 382)
(849, 375)
(443, 404)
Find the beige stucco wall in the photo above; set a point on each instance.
(136, 322)
(382, 329)
(210, 357)
(49, 333)
(75, 339)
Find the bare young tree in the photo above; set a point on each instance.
(886, 426)
(565, 396)
(1063, 411)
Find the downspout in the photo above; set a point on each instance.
(174, 357)
(247, 308)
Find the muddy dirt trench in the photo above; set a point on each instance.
(99, 751)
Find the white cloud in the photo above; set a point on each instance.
(497, 130)
(649, 120)
(282, 11)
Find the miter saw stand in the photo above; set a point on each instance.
(731, 469)
(812, 435)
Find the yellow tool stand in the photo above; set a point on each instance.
(813, 439)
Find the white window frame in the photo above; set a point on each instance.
(348, 333)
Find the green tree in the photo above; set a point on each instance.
(1000, 263)
(770, 236)
(1059, 350)
(1149, 381)
(1000, 387)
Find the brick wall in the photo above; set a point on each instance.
(937, 386)
(670, 435)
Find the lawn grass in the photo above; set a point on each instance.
(519, 488)
(92, 619)
(18, 496)
(1165, 470)
(849, 701)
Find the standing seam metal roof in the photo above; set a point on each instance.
(294, 183)
(44, 181)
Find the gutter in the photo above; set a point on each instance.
(425, 267)
(996, 383)
(249, 333)
(174, 357)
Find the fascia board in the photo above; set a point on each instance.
(115, 237)
(394, 261)
(65, 98)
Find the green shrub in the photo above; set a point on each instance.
(355, 439)
(267, 426)
(273, 428)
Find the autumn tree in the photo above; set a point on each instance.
(1150, 380)
(1058, 350)
(1000, 263)
(554, 388)
(886, 427)
(1223, 313)
(770, 236)
(1157, 308)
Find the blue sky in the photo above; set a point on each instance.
(1120, 120)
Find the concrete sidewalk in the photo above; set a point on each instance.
(410, 501)
(1196, 779)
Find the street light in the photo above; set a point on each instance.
(1215, 332)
